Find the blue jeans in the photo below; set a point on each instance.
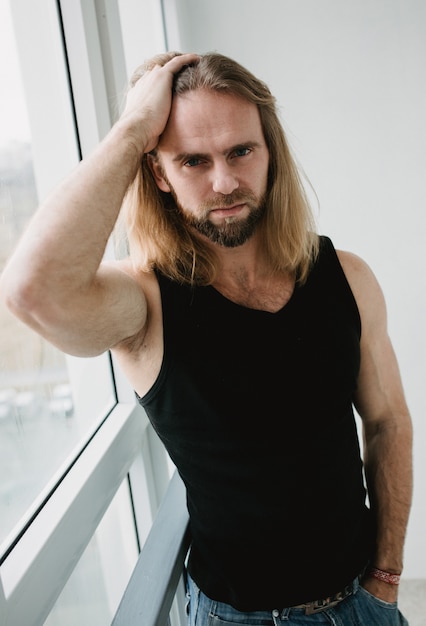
(358, 609)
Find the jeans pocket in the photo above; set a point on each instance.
(373, 610)
(378, 601)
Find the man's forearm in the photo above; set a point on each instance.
(66, 240)
(388, 467)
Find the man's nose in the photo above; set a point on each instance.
(225, 180)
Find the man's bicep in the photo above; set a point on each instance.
(110, 310)
(120, 307)
(379, 394)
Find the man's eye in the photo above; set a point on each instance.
(239, 152)
(192, 162)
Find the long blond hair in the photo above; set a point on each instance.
(158, 238)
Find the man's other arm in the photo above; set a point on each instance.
(387, 427)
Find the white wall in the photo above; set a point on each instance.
(350, 78)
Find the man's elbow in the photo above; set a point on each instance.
(26, 298)
(396, 425)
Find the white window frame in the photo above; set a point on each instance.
(43, 556)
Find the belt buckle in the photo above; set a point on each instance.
(321, 605)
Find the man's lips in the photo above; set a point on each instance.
(228, 211)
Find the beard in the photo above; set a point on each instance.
(233, 231)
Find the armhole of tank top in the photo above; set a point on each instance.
(158, 383)
(346, 282)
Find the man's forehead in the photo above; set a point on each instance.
(212, 116)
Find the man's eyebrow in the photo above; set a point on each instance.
(186, 156)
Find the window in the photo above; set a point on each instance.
(42, 416)
(73, 435)
(94, 590)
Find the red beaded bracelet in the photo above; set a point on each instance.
(386, 577)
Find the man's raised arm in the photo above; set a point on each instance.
(55, 281)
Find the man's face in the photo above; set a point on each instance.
(213, 159)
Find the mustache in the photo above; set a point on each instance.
(239, 196)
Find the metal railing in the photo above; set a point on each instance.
(149, 595)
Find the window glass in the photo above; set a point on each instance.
(46, 410)
(94, 590)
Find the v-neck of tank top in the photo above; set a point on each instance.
(254, 311)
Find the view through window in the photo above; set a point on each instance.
(43, 409)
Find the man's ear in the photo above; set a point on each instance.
(157, 172)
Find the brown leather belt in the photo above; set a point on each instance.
(322, 605)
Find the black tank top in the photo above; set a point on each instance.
(255, 410)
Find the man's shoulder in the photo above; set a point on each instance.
(355, 268)
(363, 282)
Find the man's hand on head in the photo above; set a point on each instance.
(149, 101)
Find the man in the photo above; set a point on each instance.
(247, 338)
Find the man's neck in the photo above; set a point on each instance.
(246, 278)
